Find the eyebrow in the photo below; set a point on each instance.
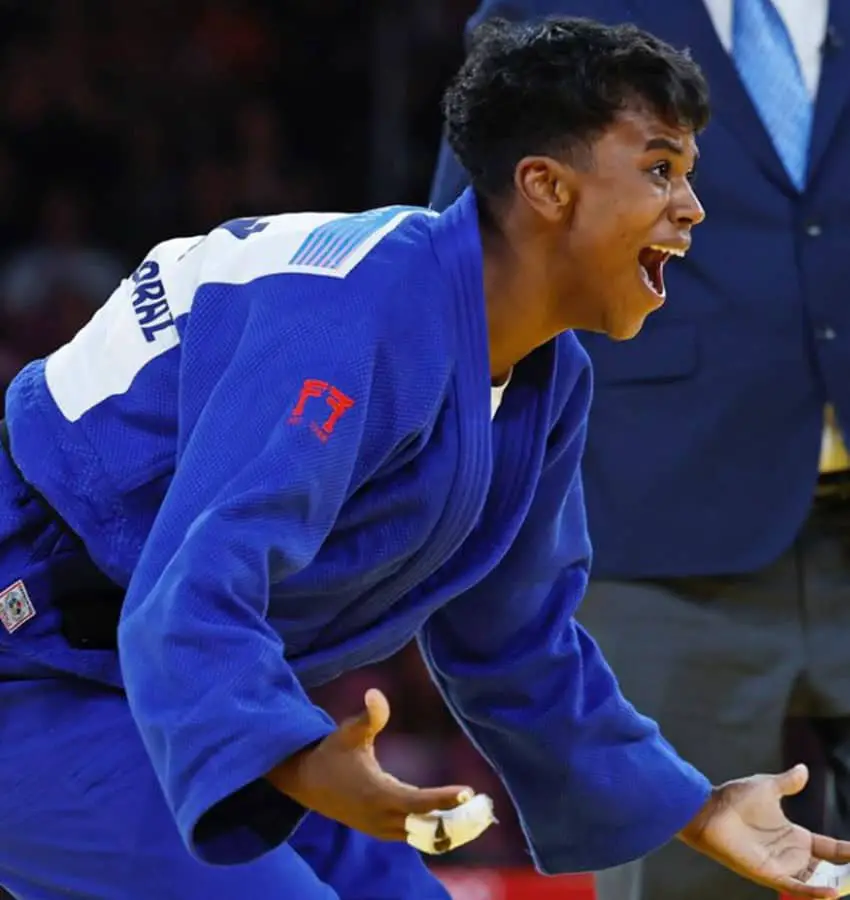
(662, 143)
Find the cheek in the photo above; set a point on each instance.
(638, 226)
(600, 230)
(651, 207)
(609, 222)
(609, 228)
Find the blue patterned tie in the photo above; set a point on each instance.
(770, 70)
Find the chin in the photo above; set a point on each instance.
(629, 323)
(625, 331)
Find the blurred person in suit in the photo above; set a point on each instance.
(716, 474)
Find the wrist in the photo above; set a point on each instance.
(692, 833)
(286, 776)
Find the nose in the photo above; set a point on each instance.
(685, 206)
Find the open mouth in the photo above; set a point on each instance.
(652, 260)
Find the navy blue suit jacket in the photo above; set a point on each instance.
(704, 437)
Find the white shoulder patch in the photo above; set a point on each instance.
(138, 323)
(325, 244)
(134, 326)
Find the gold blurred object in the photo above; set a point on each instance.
(834, 456)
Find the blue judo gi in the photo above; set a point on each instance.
(277, 438)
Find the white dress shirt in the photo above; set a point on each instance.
(806, 21)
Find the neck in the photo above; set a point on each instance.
(517, 302)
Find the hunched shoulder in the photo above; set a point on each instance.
(328, 245)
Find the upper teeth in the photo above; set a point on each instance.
(673, 251)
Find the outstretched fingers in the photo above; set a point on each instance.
(830, 849)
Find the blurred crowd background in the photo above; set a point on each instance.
(123, 124)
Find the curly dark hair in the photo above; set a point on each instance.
(553, 86)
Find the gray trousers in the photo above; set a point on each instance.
(721, 662)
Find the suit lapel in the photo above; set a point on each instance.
(834, 88)
(686, 23)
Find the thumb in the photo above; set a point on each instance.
(365, 727)
(422, 801)
(793, 781)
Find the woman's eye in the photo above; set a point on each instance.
(662, 169)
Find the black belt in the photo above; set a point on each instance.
(88, 602)
(833, 487)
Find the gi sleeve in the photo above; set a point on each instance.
(594, 782)
(279, 416)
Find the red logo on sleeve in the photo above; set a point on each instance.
(333, 398)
